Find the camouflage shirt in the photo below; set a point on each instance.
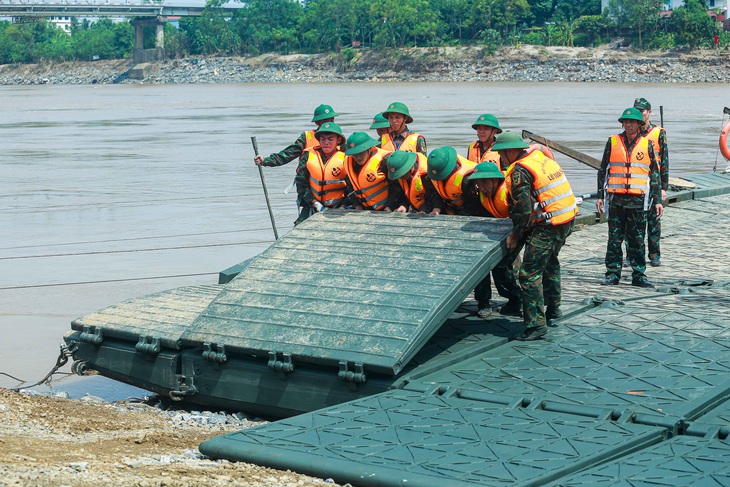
(288, 154)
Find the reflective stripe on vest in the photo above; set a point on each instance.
(371, 184)
(450, 188)
(628, 173)
(414, 189)
(555, 202)
(409, 144)
(488, 156)
(327, 180)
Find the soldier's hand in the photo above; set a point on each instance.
(511, 241)
(401, 209)
(599, 206)
(258, 160)
(659, 210)
(436, 211)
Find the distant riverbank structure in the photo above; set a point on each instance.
(717, 9)
(142, 12)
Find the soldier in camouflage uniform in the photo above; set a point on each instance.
(307, 140)
(628, 180)
(535, 178)
(658, 137)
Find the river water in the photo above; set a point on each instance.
(112, 192)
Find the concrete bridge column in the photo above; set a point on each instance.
(142, 55)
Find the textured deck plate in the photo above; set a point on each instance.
(408, 438)
(683, 460)
(353, 286)
(163, 315)
(665, 356)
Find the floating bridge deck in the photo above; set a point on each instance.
(631, 387)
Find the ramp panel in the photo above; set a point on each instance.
(406, 438)
(666, 356)
(682, 460)
(364, 288)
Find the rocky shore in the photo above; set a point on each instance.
(610, 63)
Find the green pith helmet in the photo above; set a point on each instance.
(398, 107)
(330, 128)
(509, 140)
(399, 163)
(359, 142)
(489, 120)
(441, 163)
(379, 122)
(323, 112)
(486, 170)
(642, 104)
(632, 114)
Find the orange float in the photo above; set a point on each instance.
(723, 141)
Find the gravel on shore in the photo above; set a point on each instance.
(523, 64)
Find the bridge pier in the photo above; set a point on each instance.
(142, 55)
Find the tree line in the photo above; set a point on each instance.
(316, 26)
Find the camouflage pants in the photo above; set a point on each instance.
(504, 281)
(653, 232)
(629, 224)
(540, 273)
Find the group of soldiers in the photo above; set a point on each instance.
(501, 177)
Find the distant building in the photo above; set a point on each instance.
(61, 23)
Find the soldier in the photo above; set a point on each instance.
(658, 137)
(628, 180)
(410, 188)
(307, 140)
(320, 177)
(533, 177)
(380, 125)
(480, 150)
(367, 183)
(486, 195)
(447, 169)
(399, 137)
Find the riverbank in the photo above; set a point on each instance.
(609, 63)
(88, 442)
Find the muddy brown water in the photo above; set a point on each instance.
(112, 192)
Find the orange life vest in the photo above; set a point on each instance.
(488, 156)
(311, 140)
(497, 205)
(409, 144)
(371, 184)
(414, 189)
(628, 173)
(550, 189)
(327, 179)
(653, 136)
(450, 188)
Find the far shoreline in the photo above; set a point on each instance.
(606, 64)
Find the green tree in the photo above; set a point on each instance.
(692, 25)
(397, 23)
(566, 31)
(16, 43)
(268, 25)
(501, 15)
(590, 28)
(636, 14)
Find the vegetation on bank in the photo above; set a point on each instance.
(316, 26)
